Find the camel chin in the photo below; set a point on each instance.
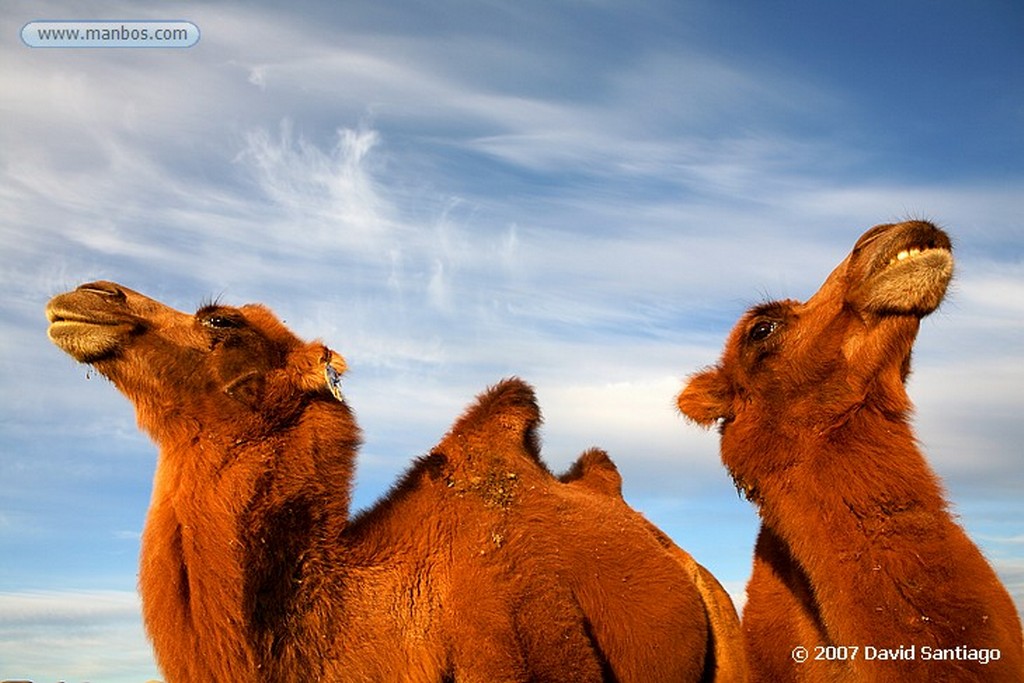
(914, 285)
(901, 269)
(86, 342)
(88, 323)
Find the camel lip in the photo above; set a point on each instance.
(907, 279)
(912, 258)
(918, 245)
(87, 335)
(87, 341)
(64, 326)
(57, 315)
(914, 251)
(63, 319)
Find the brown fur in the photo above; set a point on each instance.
(727, 659)
(856, 547)
(478, 566)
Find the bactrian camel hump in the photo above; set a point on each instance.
(642, 617)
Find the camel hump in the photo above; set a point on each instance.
(594, 470)
(503, 420)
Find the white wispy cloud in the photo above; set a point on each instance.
(445, 211)
(68, 635)
(318, 189)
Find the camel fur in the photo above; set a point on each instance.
(478, 566)
(857, 547)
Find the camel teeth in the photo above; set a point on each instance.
(904, 254)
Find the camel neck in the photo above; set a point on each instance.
(231, 529)
(869, 468)
(847, 509)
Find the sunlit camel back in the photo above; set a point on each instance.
(857, 548)
(253, 570)
(636, 609)
(595, 471)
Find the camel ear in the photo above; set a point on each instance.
(334, 367)
(316, 368)
(706, 398)
(246, 388)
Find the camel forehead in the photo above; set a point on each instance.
(263, 319)
(146, 306)
(770, 309)
(257, 315)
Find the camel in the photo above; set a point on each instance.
(860, 572)
(477, 566)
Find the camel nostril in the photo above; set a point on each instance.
(104, 288)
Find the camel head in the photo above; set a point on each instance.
(808, 366)
(241, 365)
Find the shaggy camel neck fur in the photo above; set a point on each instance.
(478, 566)
(857, 548)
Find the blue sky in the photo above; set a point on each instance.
(586, 194)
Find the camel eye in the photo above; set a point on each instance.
(221, 322)
(762, 330)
